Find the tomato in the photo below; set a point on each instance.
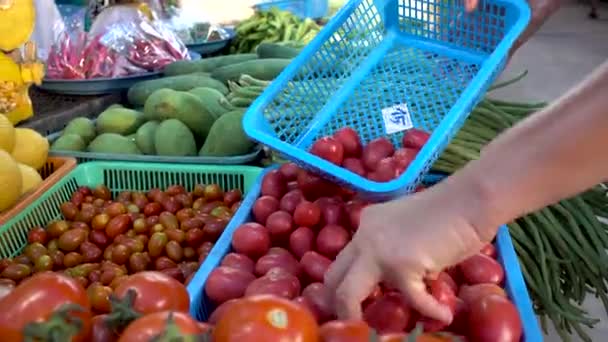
(100, 330)
(37, 298)
(471, 293)
(426, 337)
(493, 318)
(489, 250)
(330, 149)
(154, 292)
(480, 269)
(415, 138)
(388, 314)
(350, 140)
(345, 331)
(266, 318)
(155, 324)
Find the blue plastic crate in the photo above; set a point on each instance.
(427, 61)
(201, 307)
(302, 8)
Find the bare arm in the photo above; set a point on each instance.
(552, 155)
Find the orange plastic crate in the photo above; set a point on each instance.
(53, 170)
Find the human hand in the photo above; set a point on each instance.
(403, 243)
(541, 11)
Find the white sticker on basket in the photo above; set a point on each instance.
(397, 118)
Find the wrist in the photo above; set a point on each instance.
(478, 201)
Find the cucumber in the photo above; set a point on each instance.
(272, 50)
(206, 64)
(262, 69)
(139, 92)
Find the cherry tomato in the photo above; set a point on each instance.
(494, 318)
(345, 331)
(266, 318)
(37, 298)
(155, 324)
(388, 314)
(155, 292)
(100, 331)
(329, 149)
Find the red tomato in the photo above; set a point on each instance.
(471, 293)
(445, 277)
(307, 214)
(154, 325)
(37, 298)
(100, 331)
(345, 331)
(415, 138)
(154, 292)
(354, 165)
(442, 291)
(388, 314)
(493, 318)
(426, 337)
(329, 149)
(375, 151)
(480, 269)
(349, 138)
(266, 318)
(489, 250)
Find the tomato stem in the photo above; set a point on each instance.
(172, 333)
(61, 326)
(122, 311)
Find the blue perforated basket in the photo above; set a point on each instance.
(201, 307)
(430, 60)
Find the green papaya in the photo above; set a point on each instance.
(166, 104)
(227, 137)
(144, 138)
(211, 100)
(121, 121)
(173, 138)
(113, 143)
(69, 142)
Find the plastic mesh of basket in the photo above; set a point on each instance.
(431, 58)
(118, 176)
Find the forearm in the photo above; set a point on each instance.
(552, 155)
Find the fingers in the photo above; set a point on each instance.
(414, 289)
(336, 272)
(470, 5)
(358, 283)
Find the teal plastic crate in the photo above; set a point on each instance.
(118, 176)
(83, 157)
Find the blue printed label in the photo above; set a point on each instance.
(397, 118)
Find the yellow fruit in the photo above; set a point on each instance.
(18, 18)
(10, 181)
(7, 134)
(31, 148)
(30, 178)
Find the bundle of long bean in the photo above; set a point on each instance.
(561, 248)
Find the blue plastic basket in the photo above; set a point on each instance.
(302, 8)
(429, 61)
(201, 307)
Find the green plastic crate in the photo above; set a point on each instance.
(118, 176)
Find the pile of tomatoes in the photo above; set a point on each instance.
(53, 307)
(379, 160)
(302, 222)
(102, 240)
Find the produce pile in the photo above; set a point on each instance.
(273, 26)
(378, 160)
(122, 49)
(196, 109)
(301, 222)
(147, 306)
(101, 239)
(561, 248)
(22, 153)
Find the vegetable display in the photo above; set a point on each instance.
(301, 222)
(378, 160)
(101, 240)
(273, 26)
(561, 248)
